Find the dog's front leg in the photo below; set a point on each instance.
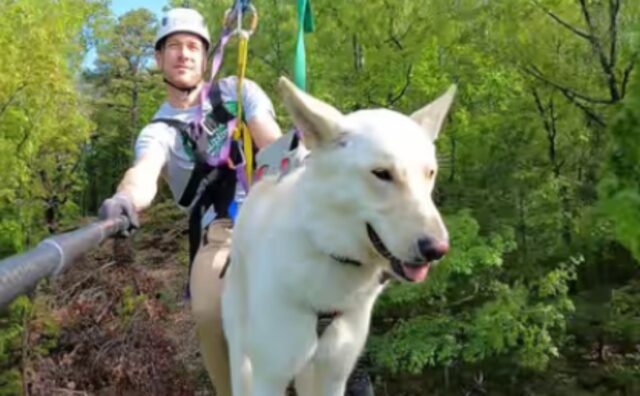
(338, 351)
(281, 342)
(268, 385)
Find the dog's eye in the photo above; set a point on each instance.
(382, 174)
(431, 173)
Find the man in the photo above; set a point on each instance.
(166, 148)
(182, 44)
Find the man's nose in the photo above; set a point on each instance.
(184, 52)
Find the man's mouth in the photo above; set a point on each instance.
(412, 272)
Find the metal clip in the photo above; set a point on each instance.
(238, 15)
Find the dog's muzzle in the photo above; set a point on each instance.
(412, 272)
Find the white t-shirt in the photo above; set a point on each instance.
(168, 142)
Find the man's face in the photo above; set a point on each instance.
(182, 59)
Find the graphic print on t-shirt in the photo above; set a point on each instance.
(216, 137)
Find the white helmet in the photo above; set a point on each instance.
(182, 20)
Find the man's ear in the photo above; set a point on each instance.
(317, 120)
(205, 61)
(159, 61)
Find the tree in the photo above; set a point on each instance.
(43, 120)
(126, 92)
(43, 127)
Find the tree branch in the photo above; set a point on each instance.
(392, 100)
(533, 71)
(614, 10)
(589, 113)
(564, 23)
(571, 96)
(606, 64)
(586, 15)
(15, 93)
(627, 74)
(541, 109)
(549, 117)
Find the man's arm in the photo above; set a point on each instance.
(264, 130)
(140, 182)
(135, 192)
(259, 114)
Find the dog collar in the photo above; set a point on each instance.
(324, 320)
(346, 260)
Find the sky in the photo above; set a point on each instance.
(120, 7)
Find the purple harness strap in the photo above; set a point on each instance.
(222, 157)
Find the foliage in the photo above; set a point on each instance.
(124, 92)
(43, 122)
(620, 186)
(467, 313)
(539, 175)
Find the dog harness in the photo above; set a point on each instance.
(281, 157)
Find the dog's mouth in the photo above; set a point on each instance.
(412, 272)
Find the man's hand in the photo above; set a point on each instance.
(120, 205)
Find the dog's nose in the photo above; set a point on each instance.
(432, 249)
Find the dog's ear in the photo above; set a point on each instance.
(432, 116)
(317, 120)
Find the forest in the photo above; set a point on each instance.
(539, 185)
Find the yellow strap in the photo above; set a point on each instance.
(241, 131)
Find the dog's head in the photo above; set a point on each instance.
(373, 173)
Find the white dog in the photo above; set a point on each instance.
(320, 239)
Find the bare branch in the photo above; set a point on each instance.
(607, 61)
(393, 39)
(570, 95)
(392, 36)
(587, 111)
(392, 100)
(614, 10)
(533, 71)
(541, 109)
(15, 93)
(627, 74)
(585, 14)
(371, 101)
(607, 64)
(549, 117)
(564, 23)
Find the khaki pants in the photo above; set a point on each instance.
(206, 292)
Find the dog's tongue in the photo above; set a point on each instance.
(416, 274)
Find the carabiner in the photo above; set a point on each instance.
(234, 15)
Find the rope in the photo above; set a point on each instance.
(241, 131)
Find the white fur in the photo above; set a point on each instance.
(282, 275)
